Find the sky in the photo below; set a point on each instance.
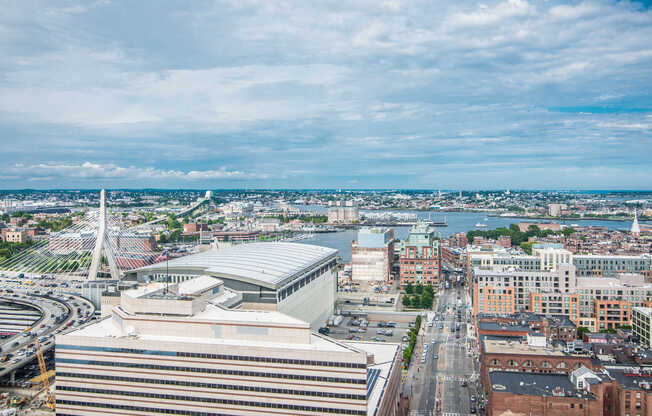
(448, 94)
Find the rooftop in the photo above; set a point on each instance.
(534, 384)
(645, 311)
(267, 263)
(495, 326)
(510, 346)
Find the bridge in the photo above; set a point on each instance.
(95, 245)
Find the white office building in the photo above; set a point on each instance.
(174, 350)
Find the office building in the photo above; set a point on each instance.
(372, 255)
(172, 349)
(296, 279)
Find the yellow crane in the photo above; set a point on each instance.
(49, 399)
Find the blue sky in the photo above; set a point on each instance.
(365, 94)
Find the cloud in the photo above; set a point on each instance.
(89, 170)
(378, 92)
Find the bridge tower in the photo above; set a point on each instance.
(102, 245)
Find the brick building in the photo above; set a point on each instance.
(540, 395)
(419, 258)
(516, 355)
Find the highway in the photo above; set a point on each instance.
(445, 384)
(58, 312)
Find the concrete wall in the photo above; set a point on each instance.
(314, 303)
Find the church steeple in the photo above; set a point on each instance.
(636, 230)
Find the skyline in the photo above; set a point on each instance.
(375, 95)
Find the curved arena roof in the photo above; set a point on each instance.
(267, 264)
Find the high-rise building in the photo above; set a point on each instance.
(372, 255)
(172, 349)
(419, 256)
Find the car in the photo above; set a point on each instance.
(391, 324)
(430, 324)
(382, 324)
(457, 335)
(423, 359)
(464, 383)
(473, 409)
(435, 356)
(441, 326)
(473, 397)
(351, 336)
(405, 339)
(324, 330)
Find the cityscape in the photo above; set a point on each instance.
(280, 208)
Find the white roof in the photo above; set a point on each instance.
(268, 263)
(198, 285)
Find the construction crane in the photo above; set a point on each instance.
(49, 399)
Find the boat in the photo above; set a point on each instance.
(480, 225)
(486, 218)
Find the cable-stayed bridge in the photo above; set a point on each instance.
(95, 246)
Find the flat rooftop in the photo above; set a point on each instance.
(106, 328)
(496, 326)
(534, 384)
(268, 263)
(504, 346)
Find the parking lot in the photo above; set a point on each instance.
(355, 328)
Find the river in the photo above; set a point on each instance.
(457, 222)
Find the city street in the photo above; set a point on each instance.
(444, 385)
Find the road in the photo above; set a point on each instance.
(440, 380)
(60, 312)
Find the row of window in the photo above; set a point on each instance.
(213, 371)
(213, 356)
(322, 410)
(289, 289)
(215, 386)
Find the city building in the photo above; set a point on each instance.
(372, 255)
(15, 236)
(296, 279)
(642, 324)
(541, 395)
(343, 214)
(419, 258)
(171, 349)
(555, 210)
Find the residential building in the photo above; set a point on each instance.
(16, 236)
(343, 214)
(372, 255)
(642, 324)
(555, 210)
(419, 258)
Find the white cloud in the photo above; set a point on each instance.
(89, 170)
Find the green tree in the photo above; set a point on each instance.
(419, 289)
(409, 288)
(406, 301)
(581, 331)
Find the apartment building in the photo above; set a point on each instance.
(419, 258)
(641, 324)
(174, 350)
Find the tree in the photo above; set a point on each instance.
(409, 289)
(581, 331)
(419, 289)
(406, 301)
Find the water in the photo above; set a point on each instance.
(457, 222)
